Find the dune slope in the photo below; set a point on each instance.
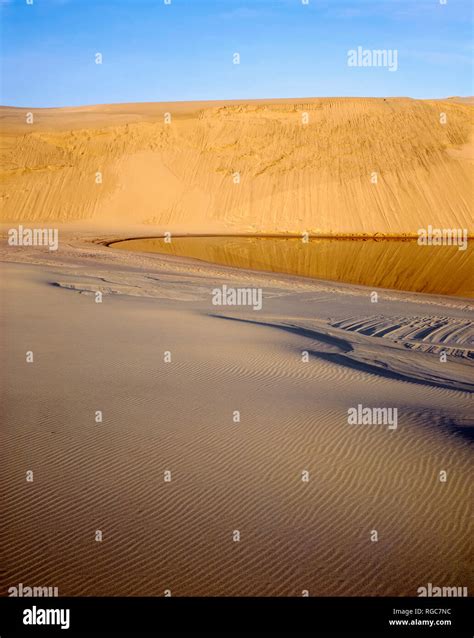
(357, 166)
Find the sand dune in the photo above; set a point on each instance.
(177, 416)
(227, 476)
(294, 177)
(362, 351)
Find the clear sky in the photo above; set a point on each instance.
(152, 51)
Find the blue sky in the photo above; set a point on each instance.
(184, 51)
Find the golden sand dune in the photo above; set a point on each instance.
(358, 166)
(120, 167)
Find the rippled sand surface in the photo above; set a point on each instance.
(228, 476)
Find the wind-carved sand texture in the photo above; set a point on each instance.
(316, 349)
(228, 476)
(244, 166)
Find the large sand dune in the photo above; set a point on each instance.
(228, 476)
(293, 176)
(177, 416)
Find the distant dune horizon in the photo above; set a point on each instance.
(86, 105)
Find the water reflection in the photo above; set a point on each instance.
(398, 264)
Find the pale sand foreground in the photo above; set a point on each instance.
(225, 476)
(333, 166)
